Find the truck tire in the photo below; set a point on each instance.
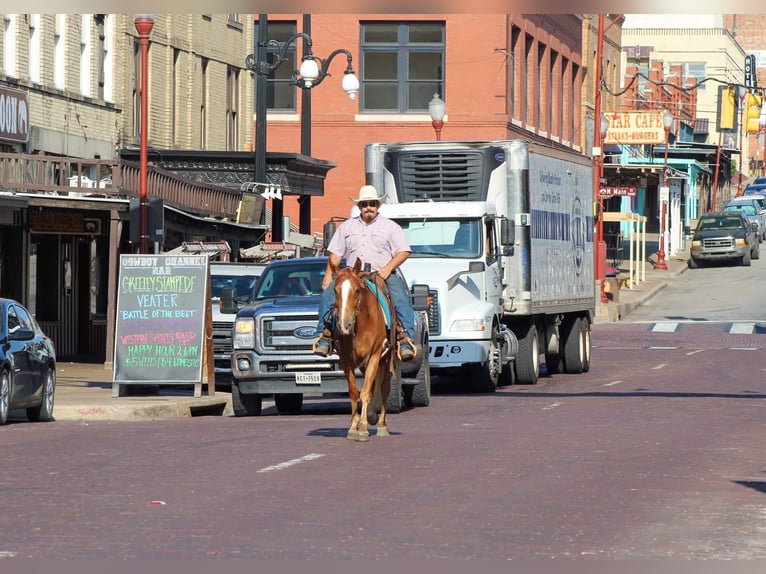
(484, 378)
(528, 359)
(746, 259)
(245, 405)
(288, 403)
(693, 263)
(419, 394)
(757, 252)
(574, 346)
(588, 343)
(394, 400)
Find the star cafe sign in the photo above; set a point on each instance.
(628, 128)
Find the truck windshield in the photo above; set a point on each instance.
(291, 281)
(458, 238)
(242, 283)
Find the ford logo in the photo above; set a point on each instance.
(305, 332)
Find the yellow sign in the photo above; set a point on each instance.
(627, 128)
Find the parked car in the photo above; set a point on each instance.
(752, 207)
(27, 364)
(755, 188)
(723, 236)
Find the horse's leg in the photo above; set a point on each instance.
(385, 388)
(370, 376)
(353, 396)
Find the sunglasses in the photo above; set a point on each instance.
(363, 204)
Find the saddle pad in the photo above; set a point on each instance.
(382, 300)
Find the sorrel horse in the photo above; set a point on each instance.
(361, 334)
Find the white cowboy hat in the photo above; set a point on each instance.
(368, 193)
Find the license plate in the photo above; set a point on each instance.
(308, 379)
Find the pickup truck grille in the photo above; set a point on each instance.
(222, 337)
(433, 313)
(718, 243)
(277, 333)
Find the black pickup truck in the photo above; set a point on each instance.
(721, 237)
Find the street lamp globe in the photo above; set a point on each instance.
(604, 126)
(436, 108)
(350, 84)
(309, 71)
(667, 120)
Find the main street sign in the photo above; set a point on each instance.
(628, 128)
(618, 191)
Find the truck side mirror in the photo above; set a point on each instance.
(419, 297)
(507, 236)
(228, 301)
(328, 232)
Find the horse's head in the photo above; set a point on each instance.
(348, 291)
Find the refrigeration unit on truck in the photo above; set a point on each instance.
(502, 233)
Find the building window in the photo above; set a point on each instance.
(101, 53)
(691, 69)
(280, 91)
(9, 46)
(34, 48)
(85, 48)
(136, 90)
(232, 108)
(59, 53)
(174, 99)
(402, 65)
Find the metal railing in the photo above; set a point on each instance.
(43, 174)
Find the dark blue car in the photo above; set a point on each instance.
(27, 364)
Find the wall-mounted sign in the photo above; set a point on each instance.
(14, 115)
(750, 77)
(65, 221)
(618, 191)
(627, 128)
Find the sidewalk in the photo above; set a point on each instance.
(84, 390)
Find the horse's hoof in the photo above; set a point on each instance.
(383, 431)
(358, 436)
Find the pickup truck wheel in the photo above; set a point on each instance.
(419, 394)
(693, 263)
(484, 378)
(528, 359)
(245, 405)
(288, 403)
(757, 252)
(746, 259)
(394, 400)
(574, 346)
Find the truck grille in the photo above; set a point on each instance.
(277, 333)
(718, 243)
(447, 176)
(222, 337)
(433, 313)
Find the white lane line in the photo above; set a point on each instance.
(742, 328)
(743, 348)
(662, 348)
(665, 327)
(552, 406)
(660, 366)
(293, 462)
(612, 383)
(694, 352)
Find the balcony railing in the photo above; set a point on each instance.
(41, 174)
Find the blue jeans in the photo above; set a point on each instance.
(399, 297)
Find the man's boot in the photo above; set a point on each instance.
(323, 344)
(405, 347)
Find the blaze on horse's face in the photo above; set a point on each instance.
(348, 288)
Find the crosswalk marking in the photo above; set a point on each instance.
(665, 327)
(742, 328)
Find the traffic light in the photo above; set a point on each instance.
(753, 113)
(727, 110)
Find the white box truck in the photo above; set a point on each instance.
(502, 233)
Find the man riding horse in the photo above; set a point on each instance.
(379, 241)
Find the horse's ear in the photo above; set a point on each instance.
(358, 265)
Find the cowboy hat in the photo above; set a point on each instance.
(368, 193)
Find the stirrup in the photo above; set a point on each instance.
(322, 347)
(407, 356)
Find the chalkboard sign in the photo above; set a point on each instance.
(160, 323)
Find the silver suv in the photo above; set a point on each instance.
(753, 208)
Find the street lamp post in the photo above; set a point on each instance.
(436, 108)
(144, 24)
(661, 265)
(312, 72)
